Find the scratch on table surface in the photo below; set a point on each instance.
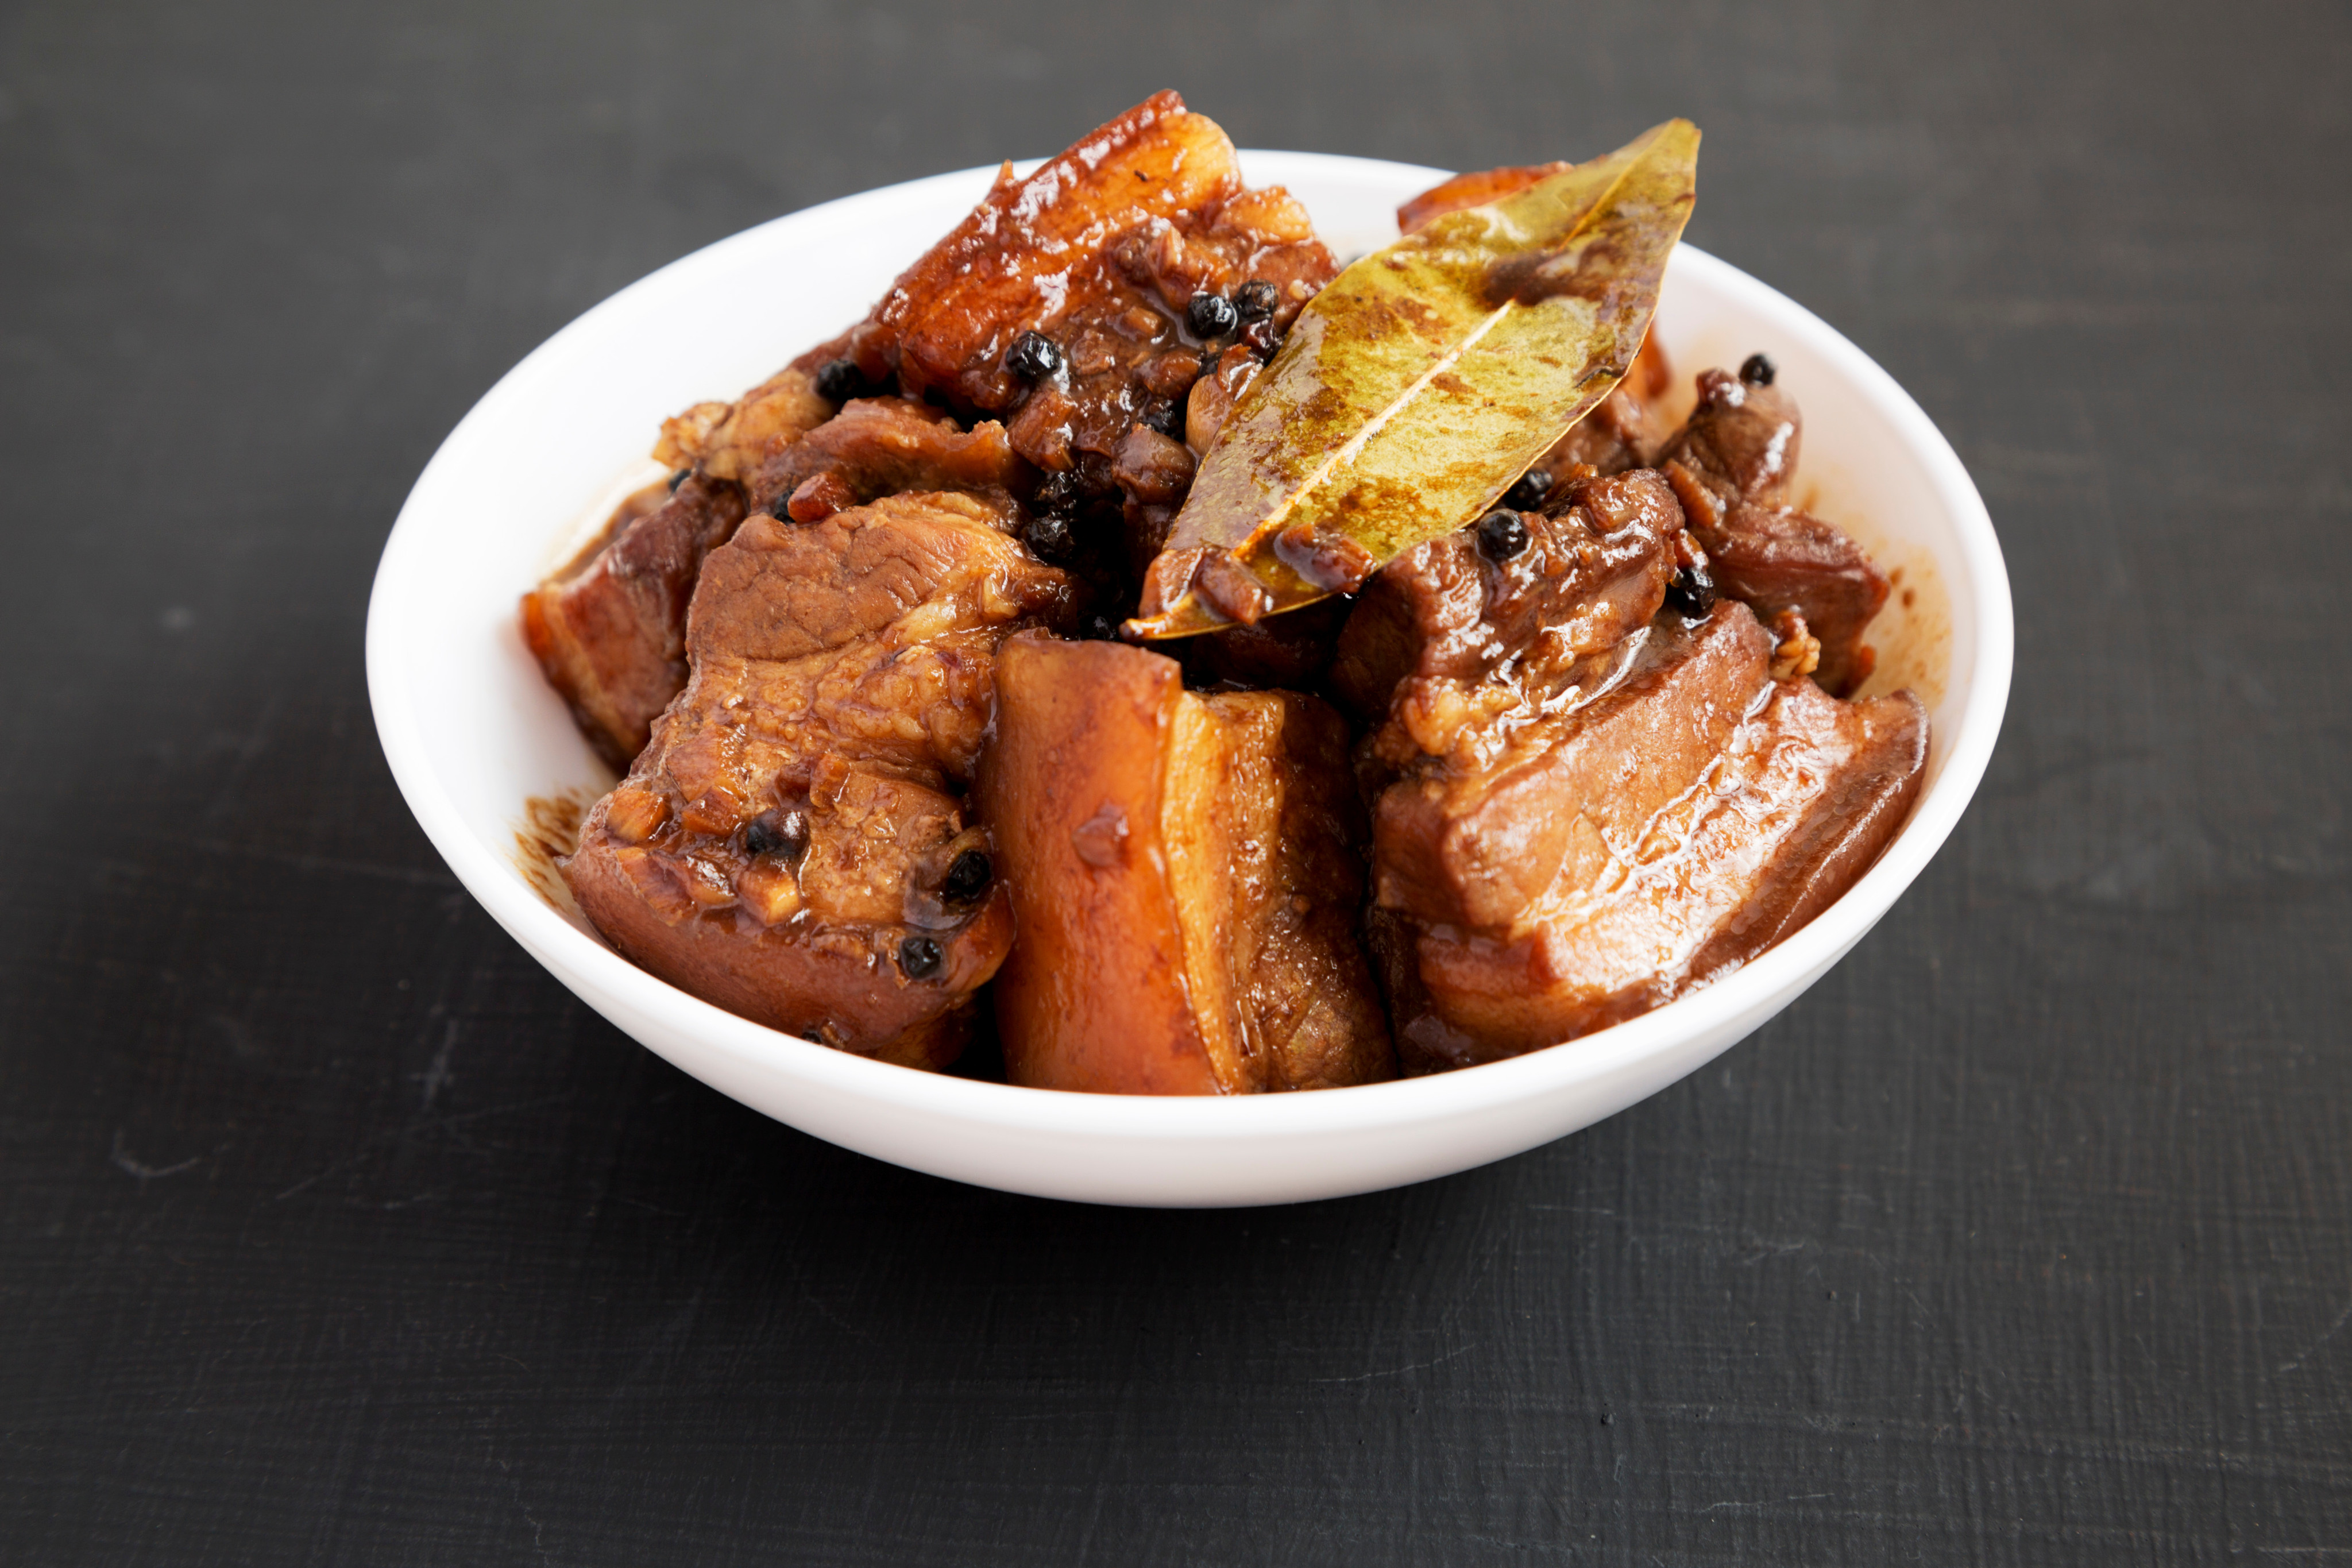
(538, 1531)
(1400, 1371)
(244, 749)
(1768, 1503)
(1994, 1437)
(827, 1313)
(437, 1076)
(376, 1145)
(145, 1173)
(2312, 1349)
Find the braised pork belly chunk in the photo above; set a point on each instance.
(730, 440)
(890, 446)
(889, 777)
(609, 631)
(795, 843)
(1520, 597)
(1587, 802)
(1796, 804)
(1108, 308)
(1063, 296)
(1732, 465)
(1201, 849)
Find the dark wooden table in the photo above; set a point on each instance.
(333, 1231)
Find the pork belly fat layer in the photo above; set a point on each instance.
(794, 845)
(1186, 879)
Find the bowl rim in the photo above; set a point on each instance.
(1754, 988)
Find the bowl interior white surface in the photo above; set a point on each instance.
(472, 732)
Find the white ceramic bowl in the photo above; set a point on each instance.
(472, 732)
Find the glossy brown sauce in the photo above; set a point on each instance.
(548, 833)
(1913, 634)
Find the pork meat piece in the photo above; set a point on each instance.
(1626, 430)
(1064, 305)
(1731, 465)
(1795, 807)
(1569, 775)
(1431, 627)
(795, 845)
(1612, 852)
(609, 630)
(1477, 835)
(1186, 874)
(890, 446)
(730, 440)
(1100, 250)
(1472, 190)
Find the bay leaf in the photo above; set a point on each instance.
(1420, 383)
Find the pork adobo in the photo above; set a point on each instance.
(891, 771)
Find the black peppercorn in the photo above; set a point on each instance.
(1166, 416)
(839, 379)
(1528, 494)
(1098, 628)
(968, 878)
(1047, 535)
(1758, 371)
(1211, 316)
(785, 833)
(1033, 356)
(1058, 491)
(1256, 298)
(921, 957)
(1501, 534)
(1692, 593)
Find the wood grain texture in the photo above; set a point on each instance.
(332, 1231)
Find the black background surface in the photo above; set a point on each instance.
(334, 1231)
